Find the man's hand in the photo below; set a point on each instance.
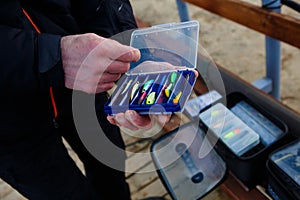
(92, 63)
(131, 119)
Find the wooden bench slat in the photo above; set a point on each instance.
(275, 25)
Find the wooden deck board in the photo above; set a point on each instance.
(156, 188)
(139, 180)
(5, 189)
(140, 175)
(13, 195)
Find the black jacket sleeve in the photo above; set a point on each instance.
(29, 62)
(49, 61)
(105, 18)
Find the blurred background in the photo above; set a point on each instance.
(233, 46)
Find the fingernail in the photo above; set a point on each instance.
(119, 117)
(136, 55)
(163, 118)
(131, 114)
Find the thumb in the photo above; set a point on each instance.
(131, 55)
(117, 51)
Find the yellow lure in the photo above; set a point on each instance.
(176, 99)
(151, 98)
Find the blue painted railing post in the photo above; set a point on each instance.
(273, 52)
(182, 11)
(270, 83)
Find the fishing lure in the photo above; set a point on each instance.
(126, 88)
(162, 83)
(161, 97)
(151, 98)
(168, 90)
(146, 86)
(176, 99)
(134, 89)
(173, 78)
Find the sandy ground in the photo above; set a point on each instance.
(233, 46)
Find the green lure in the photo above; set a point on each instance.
(147, 85)
(151, 98)
(173, 77)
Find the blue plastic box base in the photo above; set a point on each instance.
(146, 93)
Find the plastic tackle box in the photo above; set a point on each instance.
(163, 79)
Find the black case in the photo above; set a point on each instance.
(250, 167)
(283, 168)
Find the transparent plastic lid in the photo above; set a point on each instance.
(175, 43)
(233, 132)
(186, 174)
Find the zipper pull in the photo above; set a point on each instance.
(55, 124)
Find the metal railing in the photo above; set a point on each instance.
(271, 82)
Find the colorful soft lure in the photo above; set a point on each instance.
(147, 85)
(176, 99)
(126, 88)
(168, 90)
(173, 78)
(151, 98)
(134, 89)
(231, 134)
(162, 83)
(161, 96)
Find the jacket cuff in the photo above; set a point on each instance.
(49, 61)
